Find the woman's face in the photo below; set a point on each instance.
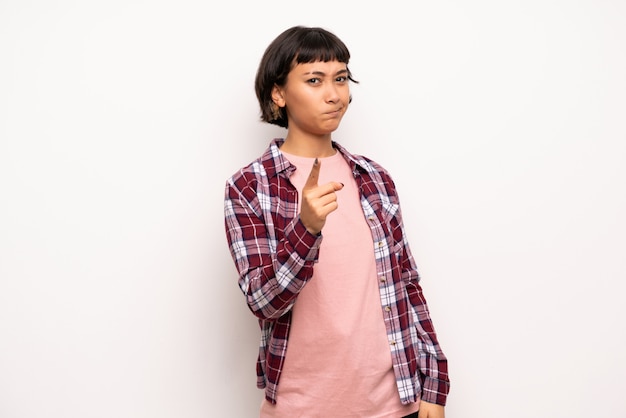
(316, 96)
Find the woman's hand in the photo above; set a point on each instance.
(317, 201)
(430, 410)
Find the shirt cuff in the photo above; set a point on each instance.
(304, 243)
(435, 391)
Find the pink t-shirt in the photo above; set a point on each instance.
(338, 362)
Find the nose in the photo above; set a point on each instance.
(332, 93)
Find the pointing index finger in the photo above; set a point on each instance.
(311, 181)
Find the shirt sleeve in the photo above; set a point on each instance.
(432, 363)
(271, 271)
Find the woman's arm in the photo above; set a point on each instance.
(271, 271)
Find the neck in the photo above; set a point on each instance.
(315, 147)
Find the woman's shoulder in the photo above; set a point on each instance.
(369, 165)
(260, 166)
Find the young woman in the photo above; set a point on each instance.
(317, 238)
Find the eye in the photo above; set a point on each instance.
(314, 80)
(341, 79)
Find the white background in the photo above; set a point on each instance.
(503, 123)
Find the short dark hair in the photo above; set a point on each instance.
(294, 46)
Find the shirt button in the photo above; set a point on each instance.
(383, 280)
(392, 342)
(387, 308)
(380, 243)
(371, 219)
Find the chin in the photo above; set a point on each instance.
(332, 125)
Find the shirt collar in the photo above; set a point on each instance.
(275, 162)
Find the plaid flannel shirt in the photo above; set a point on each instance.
(275, 256)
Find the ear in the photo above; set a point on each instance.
(277, 96)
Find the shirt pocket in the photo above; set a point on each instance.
(385, 208)
(389, 210)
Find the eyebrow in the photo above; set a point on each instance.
(322, 73)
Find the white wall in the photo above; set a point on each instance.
(503, 124)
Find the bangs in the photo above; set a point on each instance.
(319, 46)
